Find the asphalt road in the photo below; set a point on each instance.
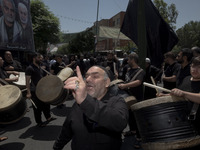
(25, 135)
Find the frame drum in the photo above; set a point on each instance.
(21, 83)
(50, 90)
(163, 124)
(12, 106)
(65, 73)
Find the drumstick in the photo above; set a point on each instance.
(61, 67)
(153, 81)
(24, 90)
(156, 87)
(46, 71)
(32, 103)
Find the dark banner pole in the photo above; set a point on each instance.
(141, 25)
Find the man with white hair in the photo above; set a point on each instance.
(23, 19)
(10, 29)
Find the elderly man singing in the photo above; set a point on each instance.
(97, 118)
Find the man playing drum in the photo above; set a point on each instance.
(4, 74)
(190, 89)
(34, 73)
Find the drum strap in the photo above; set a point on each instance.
(193, 112)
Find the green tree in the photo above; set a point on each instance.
(46, 26)
(82, 43)
(189, 35)
(169, 13)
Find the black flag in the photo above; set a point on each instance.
(160, 36)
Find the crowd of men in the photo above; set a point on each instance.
(100, 114)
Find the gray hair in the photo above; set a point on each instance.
(2, 3)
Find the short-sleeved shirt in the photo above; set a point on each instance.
(57, 67)
(35, 73)
(136, 91)
(170, 71)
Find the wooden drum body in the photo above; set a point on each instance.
(12, 106)
(163, 124)
(50, 90)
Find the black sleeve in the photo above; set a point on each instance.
(65, 134)
(112, 115)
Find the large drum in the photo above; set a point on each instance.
(163, 124)
(50, 90)
(12, 105)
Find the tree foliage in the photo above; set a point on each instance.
(189, 35)
(46, 26)
(82, 43)
(169, 13)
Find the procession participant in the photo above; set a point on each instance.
(5, 74)
(152, 73)
(190, 89)
(33, 74)
(134, 85)
(10, 64)
(97, 118)
(171, 72)
(57, 66)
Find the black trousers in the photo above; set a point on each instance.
(41, 107)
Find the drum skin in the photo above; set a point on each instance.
(163, 124)
(65, 73)
(21, 83)
(12, 104)
(50, 90)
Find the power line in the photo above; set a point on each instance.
(74, 19)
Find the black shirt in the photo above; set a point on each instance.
(183, 72)
(170, 71)
(35, 73)
(135, 91)
(57, 67)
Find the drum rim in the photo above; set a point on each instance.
(13, 104)
(116, 82)
(16, 120)
(17, 83)
(177, 144)
(41, 80)
(156, 101)
(66, 68)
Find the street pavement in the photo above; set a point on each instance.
(25, 135)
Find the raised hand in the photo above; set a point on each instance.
(78, 86)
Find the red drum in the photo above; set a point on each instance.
(50, 90)
(163, 124)
(12, 105)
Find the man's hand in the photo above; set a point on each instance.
(78, 86)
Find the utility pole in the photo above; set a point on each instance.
(96, 37)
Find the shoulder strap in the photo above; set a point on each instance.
(138, 72)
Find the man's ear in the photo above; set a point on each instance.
(107, 82)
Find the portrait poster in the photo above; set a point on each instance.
(16, 26)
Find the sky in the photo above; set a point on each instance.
(78, 15)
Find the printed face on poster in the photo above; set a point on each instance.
(15, 25)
